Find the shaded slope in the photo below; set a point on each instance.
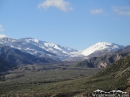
(5, 65)
(16, 56)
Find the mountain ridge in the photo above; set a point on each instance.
(37, 47)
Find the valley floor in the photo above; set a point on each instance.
(46, 81)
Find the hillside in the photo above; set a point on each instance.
(119, 73)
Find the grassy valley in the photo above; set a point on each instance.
(27, 80)
(70, 81)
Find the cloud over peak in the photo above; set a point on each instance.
(96, 11)
(1, 28)
(60, 4)
(122, 10)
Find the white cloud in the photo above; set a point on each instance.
(2, 36)
(60, 4)
(96, 11)
(122, 10)
(1, 28)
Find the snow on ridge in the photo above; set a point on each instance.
(36, 40)
(59, 50)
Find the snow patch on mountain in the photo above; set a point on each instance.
(101, 46)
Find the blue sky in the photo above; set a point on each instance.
(73, 23)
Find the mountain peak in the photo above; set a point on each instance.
(100, 46)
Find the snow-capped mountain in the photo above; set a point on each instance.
(38, 48)
(45, 49)
(101, 48)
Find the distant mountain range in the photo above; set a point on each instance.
(45, 49)
(33, 51)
